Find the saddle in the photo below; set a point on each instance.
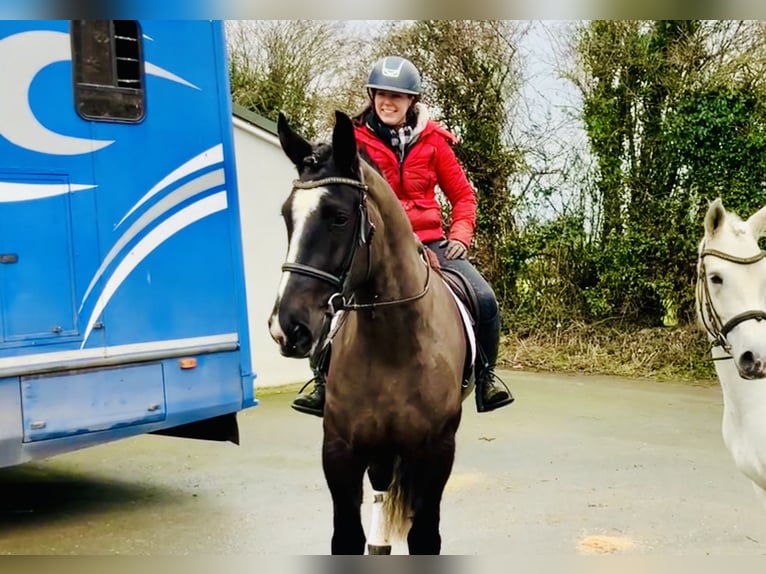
(466, 294)
(464, 290)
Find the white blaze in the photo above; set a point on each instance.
(305, 203)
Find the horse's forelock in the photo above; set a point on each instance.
(317, 163)
(733, 225)
(323, 153)
(732, 235)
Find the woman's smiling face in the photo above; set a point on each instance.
(392, 107)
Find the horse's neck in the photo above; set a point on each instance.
(397, 268)
(744, 421)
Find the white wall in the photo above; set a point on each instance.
(264, 175)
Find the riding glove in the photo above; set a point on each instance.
(454, 249)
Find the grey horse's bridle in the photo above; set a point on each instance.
(710, 319)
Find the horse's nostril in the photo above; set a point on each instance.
(751, 365)
(301, 332)
(298, 340)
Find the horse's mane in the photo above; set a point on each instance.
(385, 199)
(365, 157)
(372, 175)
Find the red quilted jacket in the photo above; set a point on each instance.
(429, 162)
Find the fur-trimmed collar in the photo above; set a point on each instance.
(421, 110)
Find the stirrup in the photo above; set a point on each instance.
(479, 391)
(314, 379)
(315, 406)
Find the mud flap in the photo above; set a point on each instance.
(220, 428)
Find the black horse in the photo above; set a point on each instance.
(394, 390)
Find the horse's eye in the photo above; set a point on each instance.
(339, 220)
(716, 279)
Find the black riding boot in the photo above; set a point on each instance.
(491, 392)
(312, 402)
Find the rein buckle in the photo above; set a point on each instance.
(334, 307)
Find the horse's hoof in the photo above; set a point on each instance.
(378, 549)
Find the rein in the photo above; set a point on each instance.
(347, 305)
(711, 320)
(365, 230)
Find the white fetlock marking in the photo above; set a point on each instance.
(378, 527)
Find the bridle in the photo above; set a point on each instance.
(364, 230)
(710, 319)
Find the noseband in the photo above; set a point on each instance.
(708, 315)
(364, 231)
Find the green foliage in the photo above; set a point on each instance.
(553, 266)
(721, 134)
(675, 116)
(670, 132)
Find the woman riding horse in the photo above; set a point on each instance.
(394, 387)
(414, 154)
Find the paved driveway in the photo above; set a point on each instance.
(577, 465)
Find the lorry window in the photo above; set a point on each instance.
(108, 70)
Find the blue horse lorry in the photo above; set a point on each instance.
(122, 290)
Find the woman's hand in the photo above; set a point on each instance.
(454, 249)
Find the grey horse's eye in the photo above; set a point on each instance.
(716, 279)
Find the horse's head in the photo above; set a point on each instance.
(731, 287)
(327, 221)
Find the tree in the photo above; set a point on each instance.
(300, 67)
(672, 112)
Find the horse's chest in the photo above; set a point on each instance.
(744, 434)
(375, 426)
(397, 425)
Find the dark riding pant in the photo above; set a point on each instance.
(488, 331)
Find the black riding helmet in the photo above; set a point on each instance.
(394, 74)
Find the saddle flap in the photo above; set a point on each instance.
(468, 305)
(464, 292)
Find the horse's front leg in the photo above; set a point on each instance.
(432, 470)
(344, 471)
(381, 473)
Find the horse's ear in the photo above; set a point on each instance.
(344, 144)
(714, 217)
(295, 146)
(757, 222)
